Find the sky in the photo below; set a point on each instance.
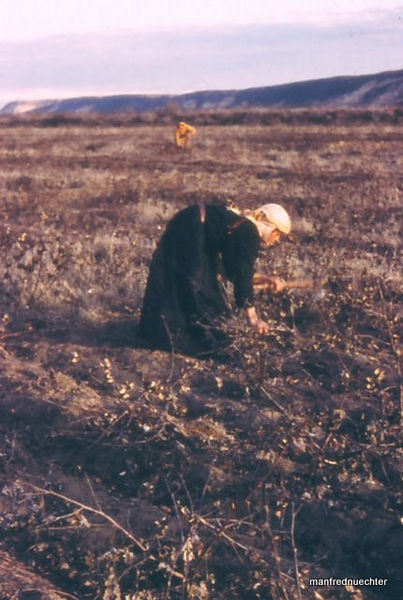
(72, 48)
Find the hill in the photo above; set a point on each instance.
(378, 90)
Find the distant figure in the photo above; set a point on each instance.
(183, 135)
(185, 300)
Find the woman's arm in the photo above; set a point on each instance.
(242, 252)
(270, 283)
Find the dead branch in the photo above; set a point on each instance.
(93, 510)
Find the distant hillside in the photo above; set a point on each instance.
(378, 90)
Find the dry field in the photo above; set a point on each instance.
(128, 474)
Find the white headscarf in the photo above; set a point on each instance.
(275, 216)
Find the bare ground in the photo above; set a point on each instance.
(131, 474)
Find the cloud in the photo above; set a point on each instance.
(25, 19)
(169, 61)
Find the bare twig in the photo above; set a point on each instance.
(93, 492)
(38, 277)
(204, 490)
(295, 551)
(259, 386)
(276, 553)
(93, 510)
(277, 404)
(173, 572)
(220, 531)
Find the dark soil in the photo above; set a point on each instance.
(131, 474)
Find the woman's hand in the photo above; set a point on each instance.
(271, 283)
(277, 284)
(259, 325)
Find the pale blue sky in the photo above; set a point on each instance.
(52, 49)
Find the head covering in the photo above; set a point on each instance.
(276, 216)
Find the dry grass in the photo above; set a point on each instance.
(130, 474)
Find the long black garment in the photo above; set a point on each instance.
(184, 298)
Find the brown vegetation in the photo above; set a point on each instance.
(128, 474)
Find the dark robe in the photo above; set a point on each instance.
(185, 297)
